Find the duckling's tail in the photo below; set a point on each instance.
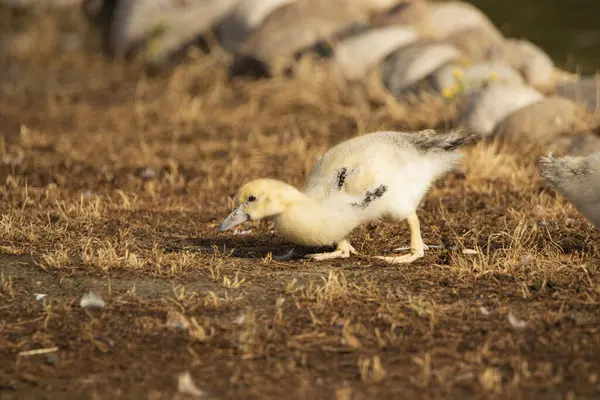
(431, 140)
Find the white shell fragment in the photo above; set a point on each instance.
(279, 302)
(185, 385)
(516, 322)
(91, 299)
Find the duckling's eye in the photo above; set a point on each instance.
(252, 198)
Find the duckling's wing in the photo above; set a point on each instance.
(360, 166)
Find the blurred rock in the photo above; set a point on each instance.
(447, 18)
(532, 62)
(580, 145)
(356, 55)
(248, 15)
(451, 79)
(487, 107)
(479, 42)
(406, 67)
(585, 90)
(412, 12)
(292, 29)
(577, 178)
(162, 27)
(44, 3)
(543, 121)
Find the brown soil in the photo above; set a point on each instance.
(114, 181)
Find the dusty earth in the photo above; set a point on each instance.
(115, 181)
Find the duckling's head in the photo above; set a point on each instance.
(258, 199)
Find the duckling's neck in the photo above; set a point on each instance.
(288, 196)
(309, 222)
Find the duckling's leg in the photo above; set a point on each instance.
(417, 247)
(344, 249)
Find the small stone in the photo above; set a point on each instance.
(148, 173)
(52, 359)
(448, 17)
(185, 385)
(478, 43)
(177, 321)
(532, 62)
(407, 66)
(516, 322)
(487, 107)
(585, 90)
(90, 300)
(544, 120)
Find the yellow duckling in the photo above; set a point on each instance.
(369, 177)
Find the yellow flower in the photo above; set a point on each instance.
(493, 76)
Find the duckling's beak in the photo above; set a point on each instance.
(236, 217)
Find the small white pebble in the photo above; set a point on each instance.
(176, 320)
(484, 310)
(39, 296)
(148, 173)
(240, 320)
(525, 260)
(243, 232)
(516, 322)
(91, 299)
(186, 385)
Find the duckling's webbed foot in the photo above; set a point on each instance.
(404, 259)
(344, 249)
(417, 247)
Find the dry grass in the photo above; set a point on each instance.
(114, 181)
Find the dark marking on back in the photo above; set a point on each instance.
(341, 178)
(370, 196)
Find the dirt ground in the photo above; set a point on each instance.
(114, 181)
